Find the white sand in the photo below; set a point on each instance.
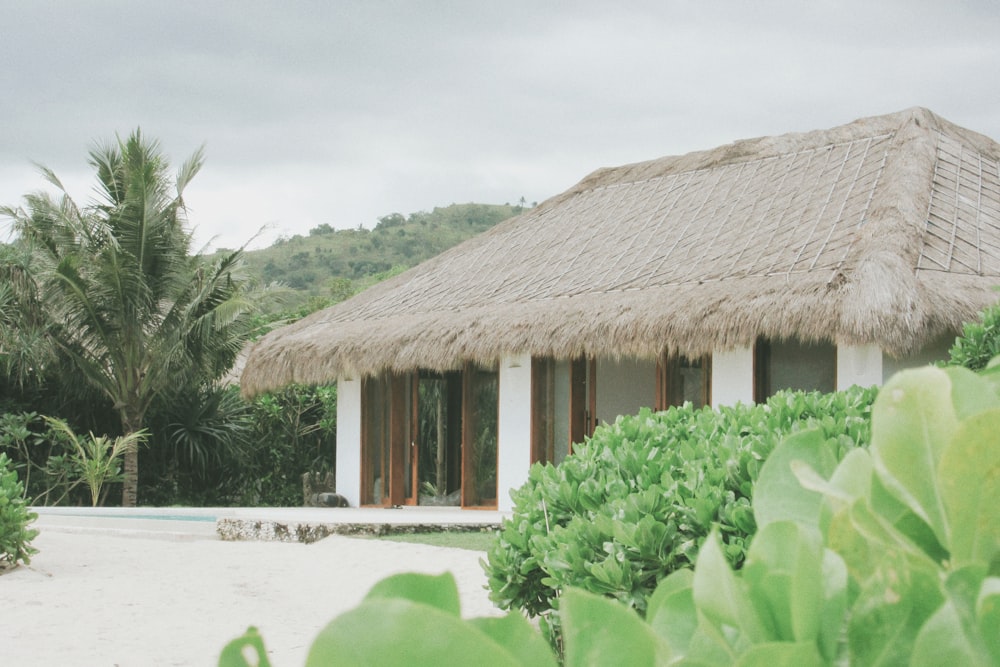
(104, 600)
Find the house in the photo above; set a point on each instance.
(816, 261)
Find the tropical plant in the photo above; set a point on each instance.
(121, 296)
(294, 432)
(637, 500)
(889, 557)
(979, 342)
(211, 448)
(23, 347)
(97, 459)
(410, 619)
(40, 457)
(15, 518)
(200, 447)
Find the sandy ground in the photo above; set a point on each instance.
(104, 600)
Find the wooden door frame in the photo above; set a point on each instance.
(469, 419)
(582, 399)
(381, 386)
(397, 438)
(414, 444)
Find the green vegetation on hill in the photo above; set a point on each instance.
(330, 265)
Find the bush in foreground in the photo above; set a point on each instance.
(15, 535)
(635, 502)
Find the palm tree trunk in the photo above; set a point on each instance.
(130, 483)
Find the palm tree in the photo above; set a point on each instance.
(125, 300)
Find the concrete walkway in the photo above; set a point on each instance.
(288, 524)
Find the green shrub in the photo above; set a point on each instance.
(15, 535)
(294, 432)
(43, 458)
(889, 557)
(635, 502)
(979, 342)
(215, 449)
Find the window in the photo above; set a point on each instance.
(790, 364)
(563, 406)
(681, 380)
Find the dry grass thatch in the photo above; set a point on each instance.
(885, 230)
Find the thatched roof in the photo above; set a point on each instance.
(885, 230)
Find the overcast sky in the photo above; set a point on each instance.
(341, 112)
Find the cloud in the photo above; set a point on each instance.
(342, 112)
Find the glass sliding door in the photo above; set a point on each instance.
(388, 446)
(480, 393)
(439, 441)
(430, 438)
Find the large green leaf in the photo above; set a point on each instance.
(399, 633)
(913, 420)
(865, 540)
(971, 393)
(671, 613)
(782, 654)
(942, 641)
(903, 523)
(988, 616)
(952, 635)
(969, 475)
(778, 495)
(599, 631)
(784, 580)
(895, 600)
(518, 637)
(438, 591)
(992, 374)
(835, 593)
(722, 597)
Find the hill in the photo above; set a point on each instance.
(331, 264)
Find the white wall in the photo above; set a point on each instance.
(514, 429)
(624, 386)
(732, 377)
(349, 440)
(858, 365)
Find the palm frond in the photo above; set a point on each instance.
(190, 169)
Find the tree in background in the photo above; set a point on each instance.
(119, 295)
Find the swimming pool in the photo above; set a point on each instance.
(202, 514)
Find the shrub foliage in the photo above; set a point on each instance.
(889, 557)
(636, 501)
(979, 342)
(15, 535)
(220, 450)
